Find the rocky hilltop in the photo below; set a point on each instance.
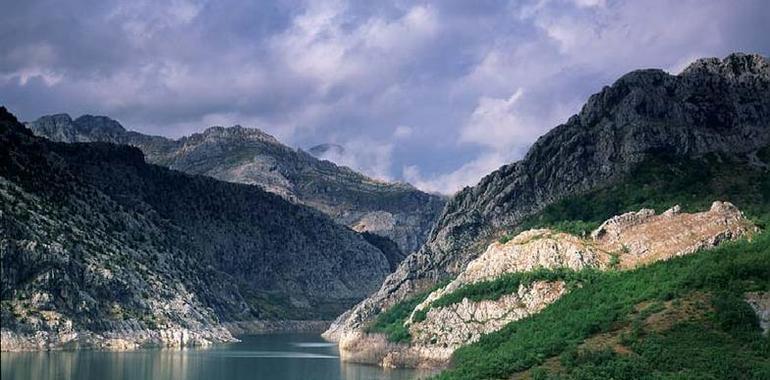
(100, 249)
(244, 155)
(715, 107)
(444, 321)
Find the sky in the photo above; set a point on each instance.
(436, 93)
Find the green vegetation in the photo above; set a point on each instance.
(391, 322)
(507, 284)
(720, 344)
(721, 341)
(727, 344)
(659, 184)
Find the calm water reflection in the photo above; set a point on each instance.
(274, 357)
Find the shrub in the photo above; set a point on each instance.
(507, 284)
(732, 347)
(391, 321)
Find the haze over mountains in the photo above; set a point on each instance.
(397, 211)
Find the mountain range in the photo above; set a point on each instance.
(560, 265)
(98, 243)
(397, 211)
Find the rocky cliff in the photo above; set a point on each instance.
(473, 304)
(100, 249)
(715, 106)
(244, 155)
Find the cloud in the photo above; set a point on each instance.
(465, 175)
(402, 132)
(142, 20)
(435, 92)
(496, 123)
(322, 46)
(364, 155)
(590, 3)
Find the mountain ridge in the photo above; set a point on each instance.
(397, 211)
(713, 106)
(101, 249)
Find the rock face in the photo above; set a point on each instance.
(250, 156)
(714, 106)
(448, 328)
(623, 242)
(173, 337)
(760, 302)
(643, 237)
(99, 248)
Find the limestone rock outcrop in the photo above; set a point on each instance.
(448, 328)
(623, 242)
(760, 302)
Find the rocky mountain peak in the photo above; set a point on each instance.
(235, 133)
(58, 125)
(58, 118)
(98, 124)
(86, 128)
(736, 66)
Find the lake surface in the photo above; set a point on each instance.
(274, 357)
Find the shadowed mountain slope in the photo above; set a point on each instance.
(96, 240)
(244, 155)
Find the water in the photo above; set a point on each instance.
(273, 357)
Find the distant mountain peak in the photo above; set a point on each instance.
(251, 156)
(238, 131)
(59, 117)
(734, 66)
(103, 124)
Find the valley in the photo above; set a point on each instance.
(629, 242)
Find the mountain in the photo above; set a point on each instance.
(243, 155)
(99, 248)
(702, 315)
(650, 137)
(525, 275)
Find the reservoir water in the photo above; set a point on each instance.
(273, 357)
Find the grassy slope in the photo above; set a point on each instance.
(607, 304)
(391, 322)
(722, 341)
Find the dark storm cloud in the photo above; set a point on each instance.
(438, 93)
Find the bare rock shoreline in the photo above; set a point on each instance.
(67, 338)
